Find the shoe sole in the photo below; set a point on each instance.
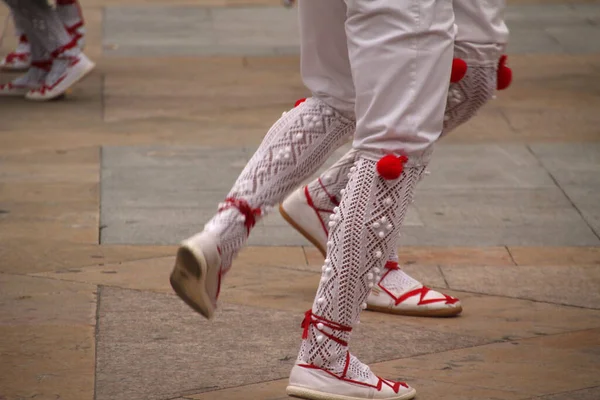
(14, 69)
(443, 313)
(451, 312)
(304, 393)
(188, 280)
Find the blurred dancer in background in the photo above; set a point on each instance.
(50, 49)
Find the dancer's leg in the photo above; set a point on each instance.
(400, 54)
(20, 58)
(293, 149)
(69, 65)
(69, 12)
(40, 64)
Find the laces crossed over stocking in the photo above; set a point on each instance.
(320, 324)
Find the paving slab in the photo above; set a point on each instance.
(575, 168)
(501, 319)
(555, 255)
(477, 195)
(536, 366)
(47, 362)
(570, 285)
(32, 255)
(180, 29)
(47, 346)
(183, 354)
(569, 38)
(26, 300)
(176, 30)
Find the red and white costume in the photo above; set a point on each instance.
(379, 73)
(481, 38)
(69, 12)
(50, 48)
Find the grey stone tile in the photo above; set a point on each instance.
(573, 285)
(577, 39)
(485, 166)
(151, 346)
(547, 15)
(160, 195)
(587, 201)
(172, 156)
(571, 235)
(151, 226)
(495, 208)
(131, 30)
(256, 26)
(476, 195)
(189, 30)
(532, 41)
(576, 168)
(571, 164)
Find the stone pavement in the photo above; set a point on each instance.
(96, 190)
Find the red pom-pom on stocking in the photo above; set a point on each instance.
(390, 167)
(459, 70)
(299, 102)
(504, 74)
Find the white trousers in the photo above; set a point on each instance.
(386, 62)
(480, 21)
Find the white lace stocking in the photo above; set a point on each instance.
(363, 232)
(325, 191)
(293, 149)
(468, 95)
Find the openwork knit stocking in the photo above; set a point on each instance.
(363, 232)
(41, 23)
(468, 95)
(295, 147)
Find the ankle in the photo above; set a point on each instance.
(325, 343)
(69, 50)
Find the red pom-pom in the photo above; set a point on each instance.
(390, 167)
(504, 74)
(459, 70)
(299, 102)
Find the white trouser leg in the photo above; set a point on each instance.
(481, 21)
(400, 54)
(391, 44)
(324, 53)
